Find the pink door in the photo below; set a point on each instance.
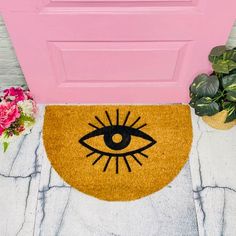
(115, 51)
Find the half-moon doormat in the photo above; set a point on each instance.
(118, 153)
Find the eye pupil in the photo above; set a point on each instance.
(117, 138)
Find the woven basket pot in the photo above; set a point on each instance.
(217, 121)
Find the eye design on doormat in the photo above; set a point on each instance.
(119, 141)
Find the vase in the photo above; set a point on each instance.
(217, 121)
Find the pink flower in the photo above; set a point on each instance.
(35, 109)
(1, 130)
(9, 112)
(28, 95)
(14, 94)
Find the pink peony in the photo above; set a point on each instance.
(28, 95)
(1, 130)
(14, 94)
(9, 112)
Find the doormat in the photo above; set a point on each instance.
(118, 152)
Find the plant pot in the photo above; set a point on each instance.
(217, 121)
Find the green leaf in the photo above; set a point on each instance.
(5, 146)
(216, 52)
(193, 101)
(206, 107)
(205, 86)
(231, 115)
(221, 66)
(227, 105)
(26, 118)
(230, 55)
(231, 96)
(15, 132)
(231, 108)
(229, 82)
(231, 65)
(5, 134)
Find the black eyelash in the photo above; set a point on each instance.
(144, 155)
(127, 164)
(94, 126)
(90, 154)
(108, 117)
(125, 157)
(117, 117)
(107, 163)
(140, 127)
(117, 121)
(117, 157)
(117, 165)
(135, 121)
(97, 159)
(136, 159)
(126, 118)
(100, 121)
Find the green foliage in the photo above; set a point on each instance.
(231, 96)
(217, 52)
(213, 93)
(5, 146)
(223, 60)
(205, 86)
(206, 106)
(24, 118)
(223, 66)
(229, 82)
(12, 130)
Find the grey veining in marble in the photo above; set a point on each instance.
(213, 167)
(20, 169)
(51, 207)
(63, 210)
(34, 200)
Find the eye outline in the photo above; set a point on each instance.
(117, 157)
(101, 131)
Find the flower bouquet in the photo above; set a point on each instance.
(17, 114)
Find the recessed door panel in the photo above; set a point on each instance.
(89, 63)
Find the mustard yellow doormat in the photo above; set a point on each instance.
(118, 153)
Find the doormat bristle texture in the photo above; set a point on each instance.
(118, 153)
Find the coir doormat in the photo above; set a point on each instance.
(118, 153)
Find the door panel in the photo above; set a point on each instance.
(115, 51)
(90, 63)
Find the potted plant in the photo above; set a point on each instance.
(213, 96)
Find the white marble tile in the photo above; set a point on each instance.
(19, 180)
(229, 213)
(65, 211)
(213, 168)
(57, 209)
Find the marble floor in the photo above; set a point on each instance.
(34, 200)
